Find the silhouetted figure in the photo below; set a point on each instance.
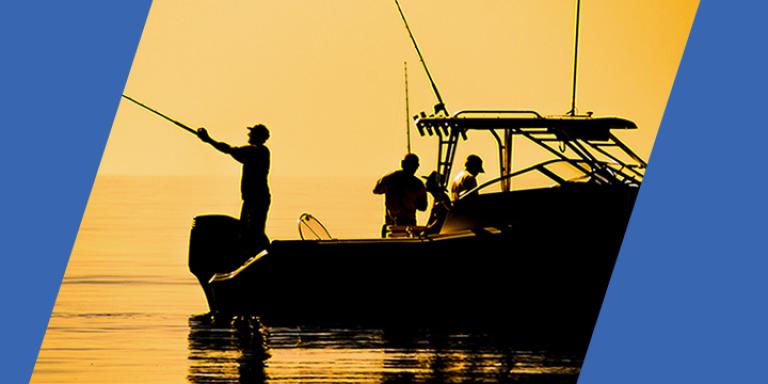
(253, 186)
(440, 206)
(466, 180)
(403, 193)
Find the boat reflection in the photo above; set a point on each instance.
(243, 350)
(226, 350)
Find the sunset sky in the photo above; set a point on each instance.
(327, 76)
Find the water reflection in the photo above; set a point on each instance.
(226, 350)
(242, 350)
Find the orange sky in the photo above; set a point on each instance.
(327, 76)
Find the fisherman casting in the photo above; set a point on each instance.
(253, 186)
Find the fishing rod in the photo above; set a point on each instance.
(446, 150)
(441, 105)
(181, 125)
(407, 110)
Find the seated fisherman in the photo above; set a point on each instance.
(466, 180)
(403, 192)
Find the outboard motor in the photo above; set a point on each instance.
(214, 246)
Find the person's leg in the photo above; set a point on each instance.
(259, 222)
(253, 218)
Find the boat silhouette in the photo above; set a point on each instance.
(532, 249)
(538, 255)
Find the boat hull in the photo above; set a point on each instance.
(538, 260)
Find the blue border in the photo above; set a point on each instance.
(687, 302)
(688, 299)
(64, 65)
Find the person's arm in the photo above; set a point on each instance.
(421, 200)
(379, 189)
(202, 133)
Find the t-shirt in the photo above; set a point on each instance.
(255, 159)
(404, 194)
(463, 182)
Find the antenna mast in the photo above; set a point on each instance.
(572, 112)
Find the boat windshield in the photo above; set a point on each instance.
(553, 173)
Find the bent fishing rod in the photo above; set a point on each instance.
(441, 104)
(181, 125)
(449, 144)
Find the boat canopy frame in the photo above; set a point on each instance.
(588, 138)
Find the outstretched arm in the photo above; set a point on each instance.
(202, 133)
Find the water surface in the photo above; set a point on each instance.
(130, 312)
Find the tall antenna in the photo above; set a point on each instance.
(407, 109)
(441, 104)
(572, 112)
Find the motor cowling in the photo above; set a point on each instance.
(215, 246)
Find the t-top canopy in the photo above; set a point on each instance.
(523, 122)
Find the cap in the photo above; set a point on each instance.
(260, 129)
(474, 161)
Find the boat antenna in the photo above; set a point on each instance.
(441, 105)
(572, 112)
(407, 109)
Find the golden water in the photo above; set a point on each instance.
(130, 312)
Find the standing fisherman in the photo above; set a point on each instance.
(253, 186)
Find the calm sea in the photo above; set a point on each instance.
(130, 312)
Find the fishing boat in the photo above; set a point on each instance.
(509, 252)
(531, 249)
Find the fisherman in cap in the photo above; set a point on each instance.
(466, 180)
(253, 186)
(403, 193)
